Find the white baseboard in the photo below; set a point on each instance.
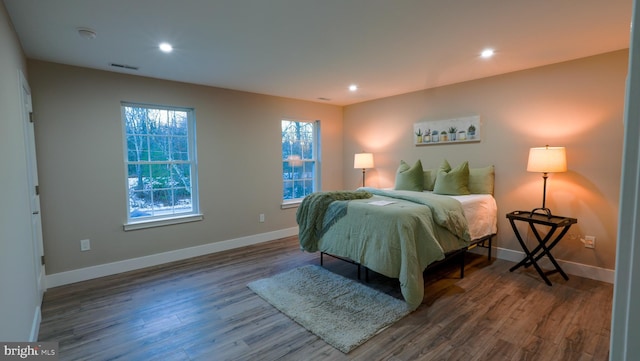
(572, 268)
(107, 269)
(35, 325)
(84, 274)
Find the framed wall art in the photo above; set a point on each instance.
(447, 131)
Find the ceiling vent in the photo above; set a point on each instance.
(123, 66)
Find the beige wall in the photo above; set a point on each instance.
(576, 104)
(80, 154)
(19, 299)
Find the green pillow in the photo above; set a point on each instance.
(481, 180)
(409, 178)
(454, 182)
(445, 166)
(430, 175)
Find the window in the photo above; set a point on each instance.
(300, 161)
(160, 161)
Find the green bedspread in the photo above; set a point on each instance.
(399, 239)
(314, 218)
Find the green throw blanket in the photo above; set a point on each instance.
(311, 214)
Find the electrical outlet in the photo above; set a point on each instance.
(85, 245)
(590, 241)
(261, 217)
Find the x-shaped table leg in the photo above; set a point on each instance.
(540, 250)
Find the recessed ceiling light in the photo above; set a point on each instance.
(87, 33)
(353, 87)
(487, 53)
(165, 47)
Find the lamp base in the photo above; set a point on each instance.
(545, 212)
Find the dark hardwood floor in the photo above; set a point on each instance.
(201, 309)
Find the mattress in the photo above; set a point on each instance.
(481, 212)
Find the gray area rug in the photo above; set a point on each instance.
(343, 312)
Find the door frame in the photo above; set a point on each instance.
(625, 319)
(32, 179)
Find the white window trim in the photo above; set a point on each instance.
(150, 223)
(294, 203)
(291, 203)
(159, 221)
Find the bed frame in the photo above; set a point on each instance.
(484, 242)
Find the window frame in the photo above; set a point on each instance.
(316, 159)
(133, 223)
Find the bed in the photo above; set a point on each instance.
(400, 232)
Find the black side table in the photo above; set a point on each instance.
(544, 247)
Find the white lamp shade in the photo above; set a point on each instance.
(547, 160)
(363, 160)
(294, 160)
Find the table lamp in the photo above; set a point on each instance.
(364, 161)
(546, 160)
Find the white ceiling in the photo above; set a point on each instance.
(311, 49)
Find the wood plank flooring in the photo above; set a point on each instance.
(201, 309)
